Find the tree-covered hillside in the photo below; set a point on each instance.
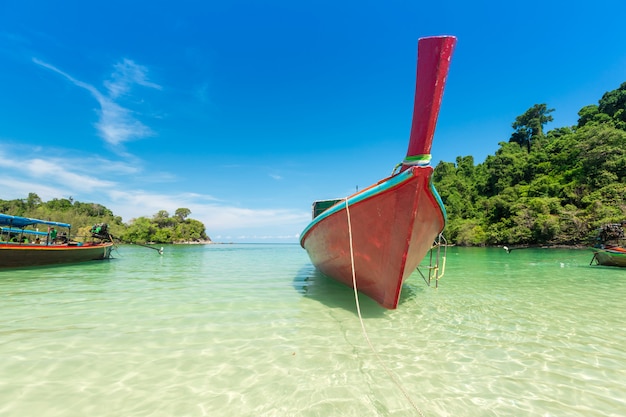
(542, 188)
(161, 228)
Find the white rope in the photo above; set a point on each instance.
(393, 377)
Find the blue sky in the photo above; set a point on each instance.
(247, 111)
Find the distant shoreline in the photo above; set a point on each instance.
(193, 242)
(558, 246)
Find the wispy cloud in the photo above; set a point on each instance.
(125, 75)
(137, 203)
(62, 177)
(219, 217)
(14, 188)
(116, 124)
(42, 169)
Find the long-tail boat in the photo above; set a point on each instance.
(374, 239)
(609, 249)
(23, 245)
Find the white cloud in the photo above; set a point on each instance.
(51, 176)
(218, 216)
(123, 187)
(139, 203)
(51, 179)
(73, 174)
(14, 188)
(223, 221)
(235, 218)
(40, 168)
(125, 75)
(116, 124)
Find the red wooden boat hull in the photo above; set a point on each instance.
(391, 227)
(376, 238)
(26, 255)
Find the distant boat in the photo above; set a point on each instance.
(610, 251)
(23, 246)
(378, 236)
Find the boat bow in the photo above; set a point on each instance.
(376, 238)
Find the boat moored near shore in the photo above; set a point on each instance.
(374, 239)
(23, 245)
(610, 250)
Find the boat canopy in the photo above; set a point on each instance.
(27, 231)
(21, 222)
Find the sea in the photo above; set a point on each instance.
(255, 330)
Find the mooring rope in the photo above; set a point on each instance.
(393, 377)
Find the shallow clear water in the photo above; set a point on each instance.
(254, 330)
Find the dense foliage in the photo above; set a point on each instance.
(161, 228)
(542, 188)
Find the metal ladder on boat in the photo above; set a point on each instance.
(437, 261)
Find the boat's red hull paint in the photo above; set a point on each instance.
(392, 231)
(25, 255)
(388, 228)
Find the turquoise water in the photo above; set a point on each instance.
(253, 330)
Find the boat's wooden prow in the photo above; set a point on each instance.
(433, 63)
(374, 239)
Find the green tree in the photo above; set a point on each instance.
(163, 219)
(140, 230)
(161, 228)
(33, 201)
(613, 103)
(529, 126)
(62, 204)
(182, 213)
(571, 180)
